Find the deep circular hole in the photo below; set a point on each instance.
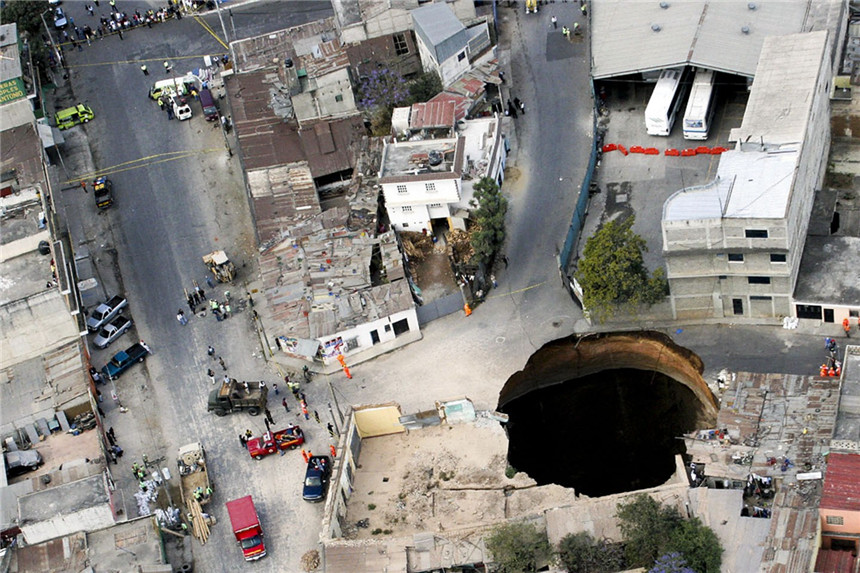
(603, 414)
(609, 432)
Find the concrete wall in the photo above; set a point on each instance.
(849, 530)
(359, 338)
(380, 420)
(320, 100)
(89, 519)
(421, 205)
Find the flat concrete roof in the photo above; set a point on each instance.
(828, 272)
(409, 160)
(779, 108)
(847, 434)
(63, 500)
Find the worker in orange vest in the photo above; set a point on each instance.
(846, 326)
(823, 371)
(333, 451)
(831, 371)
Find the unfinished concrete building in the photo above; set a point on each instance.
(733, 246)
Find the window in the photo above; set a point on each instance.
(401, 188)
(430, 187)
(405, 225)
(401, 48)
(834, 520)
(406, 209)
(338, 97)
(461, 56)
(777, 257)
(758, 280)
(760, 298)
(352, 343)
(736, 258)
(435, 204)
(756, 233)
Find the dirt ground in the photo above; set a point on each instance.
(441, 478)
(61, 448)
(430, 267)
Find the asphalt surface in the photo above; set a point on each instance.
(179, 195)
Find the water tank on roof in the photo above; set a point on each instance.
(435, 158)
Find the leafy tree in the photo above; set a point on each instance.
(27, 14)
(518, 547)
(382, 88)
(581, 553)
(424, 87)
(612, 271)
(380, 122)
(490, 206)
(698, 544)
(647, 528)
(670, 563)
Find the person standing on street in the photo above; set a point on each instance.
(305, 410)
(146, 347)
(285, 405)
(211, 374)
(144, 70)
(210, 351)
(113, 6)
(166, 67)
(269, 416)
(180, 316)
(221, 362)
(554, 21)
(846, 326)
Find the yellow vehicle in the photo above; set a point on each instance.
(531, 6)
(221, 266)
(72, 116)
(168, 87)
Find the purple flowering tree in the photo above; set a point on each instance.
(670, 563)
(382, 88)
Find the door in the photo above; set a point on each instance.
(374, 336)
(738, 306)
(828, 315)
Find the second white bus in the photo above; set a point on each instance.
(700, 108)
(666, 100)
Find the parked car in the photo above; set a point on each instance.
(72, 116)
(124, 360)
(21, 462)
(106, 311)
(60, 20)
(111, 331)
(316, 478)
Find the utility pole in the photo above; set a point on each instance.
(334, 399)
(232, 23)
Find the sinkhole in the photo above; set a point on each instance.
(602, 413)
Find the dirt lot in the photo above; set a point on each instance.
(429, 266)
(442, 478)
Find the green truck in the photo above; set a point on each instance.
(72, 116)
(233, 396)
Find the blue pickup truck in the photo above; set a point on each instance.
(124, 360)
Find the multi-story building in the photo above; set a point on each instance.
(428, 183)
(446, 45)
(733, 246)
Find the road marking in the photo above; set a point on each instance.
(142, 162)
(518, 291)
(142, 60)
(206, 27)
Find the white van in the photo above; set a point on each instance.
(182, 111)
(168, 87)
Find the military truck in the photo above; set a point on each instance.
(234, 396)
(193, 474)
(221, 266)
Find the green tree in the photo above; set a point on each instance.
(27, 15)
(490, 207)
(612, 272)
(647, 528)
(698, 544)
(581, 553)
(518, 547)
(424, 87)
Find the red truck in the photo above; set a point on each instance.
(270, 442)
(246, 527)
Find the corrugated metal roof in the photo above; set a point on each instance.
(842, 483)
(703, 33)
(833, 561)
(433, 114)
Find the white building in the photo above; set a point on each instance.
(446, 46)
(427, 184)
(733, 247)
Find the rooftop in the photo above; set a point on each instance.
(847, 434)
(436, 22)
(631, 37)
(780, 103)
(64, 500)
(10, 60)
(842, 482)
(417, 160)
(268, 51)
(828, 271)
(749, 184)
(432, 115)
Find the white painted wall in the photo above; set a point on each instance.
(361, 333)
(89, 519)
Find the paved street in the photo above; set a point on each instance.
(185, 198)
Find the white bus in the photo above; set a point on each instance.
(700, 108)
(665, 101)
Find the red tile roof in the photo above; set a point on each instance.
(842, 483)
(834, 561)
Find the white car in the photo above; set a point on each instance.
(111, 331)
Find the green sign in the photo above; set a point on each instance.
(11, 90)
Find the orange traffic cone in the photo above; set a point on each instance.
(467, 309)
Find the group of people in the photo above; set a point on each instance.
(115, 23)
(514, 107)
